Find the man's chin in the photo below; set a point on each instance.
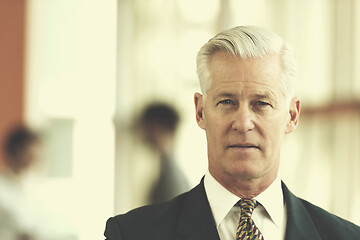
(246, 169)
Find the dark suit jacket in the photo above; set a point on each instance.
(189, 216)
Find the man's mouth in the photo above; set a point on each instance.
(244, 146)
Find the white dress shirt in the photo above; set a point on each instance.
(269, 216)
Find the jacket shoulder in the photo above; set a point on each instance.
(312, 222)
(329, 225)
(154, 221)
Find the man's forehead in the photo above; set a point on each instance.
(260, 75)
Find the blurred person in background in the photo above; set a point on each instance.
(247, 106)
(20, 219)
(158, 124)
(21, 151)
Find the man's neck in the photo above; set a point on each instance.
(247, 188)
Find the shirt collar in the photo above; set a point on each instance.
(221, 200)
(273, 201)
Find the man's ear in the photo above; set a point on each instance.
(294, 112)
(198, 99)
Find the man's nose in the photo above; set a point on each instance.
(243, 119)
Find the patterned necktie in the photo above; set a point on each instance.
(247, 229)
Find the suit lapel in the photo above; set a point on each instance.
(196, 220)
(299, 224)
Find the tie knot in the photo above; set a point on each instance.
(247, 207)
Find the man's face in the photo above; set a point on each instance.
(245, 116)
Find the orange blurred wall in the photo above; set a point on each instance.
(12, 42)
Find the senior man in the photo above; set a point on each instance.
(246, 108)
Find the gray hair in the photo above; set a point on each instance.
(248, 42)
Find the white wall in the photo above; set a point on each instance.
(71, 75)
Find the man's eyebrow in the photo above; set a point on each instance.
(225, 94)
(266, 95)
(262, 95)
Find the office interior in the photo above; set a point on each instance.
(80, 71)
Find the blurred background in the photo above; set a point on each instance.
(80, 72)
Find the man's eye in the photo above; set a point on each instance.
(226, 102)
(262, 104)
